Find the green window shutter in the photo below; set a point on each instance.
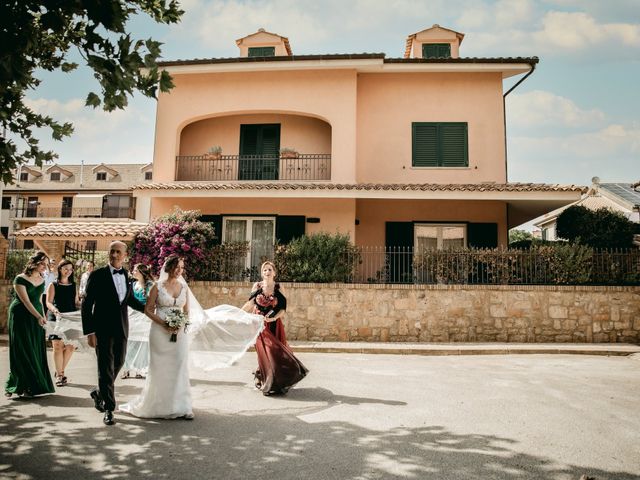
(216, 223)
(443, 144)
(289, 227)
(262, 51)
(482, 235)
(453, 141)
(436, 50)
(425, 145)
(444, 51)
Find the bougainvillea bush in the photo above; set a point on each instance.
(178, 232)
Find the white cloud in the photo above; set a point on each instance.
(612, 152)
(46, 106)
(545, 109)
(513, 12)
(122, 136)
(520, 29)
(580, 31)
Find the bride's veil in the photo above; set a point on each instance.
(220, 335)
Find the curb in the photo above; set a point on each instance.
(448, 349)
(454, 351)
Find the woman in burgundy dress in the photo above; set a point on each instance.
(278, 368)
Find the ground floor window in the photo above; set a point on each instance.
(259, 232)
(434, 236)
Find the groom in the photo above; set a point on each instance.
(105, 321)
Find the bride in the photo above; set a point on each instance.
(167, 392)
(222, 333)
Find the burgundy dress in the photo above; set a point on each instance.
(278, 368)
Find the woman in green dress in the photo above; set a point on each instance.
(28, 370)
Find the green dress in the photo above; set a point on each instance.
(28, 369)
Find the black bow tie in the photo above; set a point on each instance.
(121, 271)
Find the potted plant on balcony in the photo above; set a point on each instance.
(288, 153)
(214, 153)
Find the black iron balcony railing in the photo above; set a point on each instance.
(253, 167)
(72, 212)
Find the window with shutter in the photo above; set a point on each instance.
(443, 144)
(259, 150)
(436, 50)
(262, 51)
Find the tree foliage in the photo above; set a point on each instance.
(602, 228)
(40, 36)
(516, 235)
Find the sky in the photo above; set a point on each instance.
(576, 117)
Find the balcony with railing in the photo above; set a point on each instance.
(53, 212)
(253, 167)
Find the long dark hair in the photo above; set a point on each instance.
(145, 271)
(61, 264)
(34, 261)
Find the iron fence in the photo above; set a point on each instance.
(253, 167)
(555, 265)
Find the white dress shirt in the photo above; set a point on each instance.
(120, 282)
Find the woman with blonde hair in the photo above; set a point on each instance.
(278, 368)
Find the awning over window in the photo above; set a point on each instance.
(88, 200)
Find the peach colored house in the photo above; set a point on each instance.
(403, 152)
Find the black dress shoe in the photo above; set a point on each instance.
(108, 418)
(97, 401)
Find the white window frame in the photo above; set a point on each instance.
(249, 233)
(439, 239)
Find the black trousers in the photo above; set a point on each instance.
(111, 352)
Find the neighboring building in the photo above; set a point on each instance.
(619, 197)
(74, 195)
(406, 152)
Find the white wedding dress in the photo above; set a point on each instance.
(167, 391)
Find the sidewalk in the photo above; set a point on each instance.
(434, 349)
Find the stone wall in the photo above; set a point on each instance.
(443, 313)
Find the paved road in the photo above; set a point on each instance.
(354, 417)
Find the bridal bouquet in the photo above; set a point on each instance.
(176, 319)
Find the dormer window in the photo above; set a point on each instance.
(436, 50)
(262, 51)
(148, 175)
(101, 176)
(55, 176)
(435, 42)
(24, 176)
(264, 44)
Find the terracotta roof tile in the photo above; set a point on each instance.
(425, 187)
(128, 174)
(115, 230)
(347, 56)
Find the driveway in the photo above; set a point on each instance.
(355, 416)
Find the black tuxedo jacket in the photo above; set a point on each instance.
(102, 312)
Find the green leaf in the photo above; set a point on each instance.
(93, 100)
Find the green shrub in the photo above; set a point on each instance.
(16, 261)
(320, 257)
(227, 262)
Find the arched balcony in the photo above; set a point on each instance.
(255, 147)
